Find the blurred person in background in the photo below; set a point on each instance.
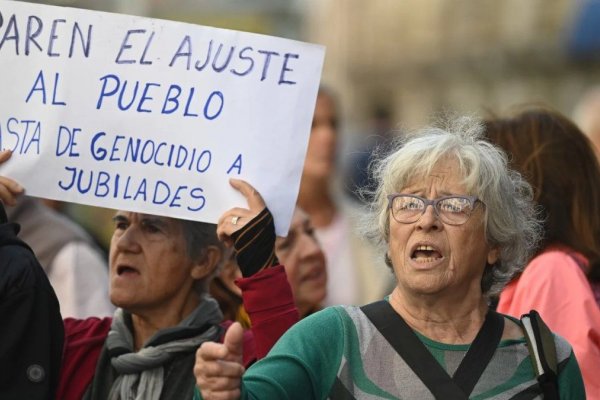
(587, 116)
(355, 275)
(75, 266)
(380, 134)
(304, 261)
(562, 281)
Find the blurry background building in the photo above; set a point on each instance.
(411, 59)
(419, 57)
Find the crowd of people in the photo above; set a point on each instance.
(493, 292)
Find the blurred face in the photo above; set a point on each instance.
(430, 257)
(149, 265)
(320, 156)
(229, 273)
(595, 138)
(304, 263)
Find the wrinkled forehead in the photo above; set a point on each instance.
(136, 217)
(445, 171)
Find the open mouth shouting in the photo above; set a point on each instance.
(425, 254)
(126, 271)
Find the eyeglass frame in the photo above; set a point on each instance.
(473, 200)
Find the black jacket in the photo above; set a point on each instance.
(31, 327)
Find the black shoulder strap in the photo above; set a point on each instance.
(480, 352)
(421, 361)
(542, 350)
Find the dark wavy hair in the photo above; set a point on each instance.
(559, 161)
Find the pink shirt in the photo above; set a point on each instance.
(555, 286)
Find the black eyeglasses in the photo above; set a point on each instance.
(451, 210)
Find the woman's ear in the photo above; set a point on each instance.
(493, 256)
(388, 260)
(208, 263)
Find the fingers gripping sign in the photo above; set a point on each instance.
(9, 189)
(218, 369)
(255, 200)
(236, 218)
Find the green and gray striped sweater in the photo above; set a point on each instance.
(340, 342)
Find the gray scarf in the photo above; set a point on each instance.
(141, 374)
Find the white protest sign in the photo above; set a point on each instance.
(150, 115)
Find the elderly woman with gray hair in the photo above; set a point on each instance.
(435, 335)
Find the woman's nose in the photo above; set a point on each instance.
(128, 240)
(429, 219)
(308, 246)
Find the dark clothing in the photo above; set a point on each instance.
(179, 381)
(162, 368)
(31, 327)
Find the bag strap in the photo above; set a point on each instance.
(542, 349)
(480, 352)
(406, 343)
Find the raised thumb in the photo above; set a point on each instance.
(234, 341)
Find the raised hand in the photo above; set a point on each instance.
(9, 188)
(250, 231)
(236, 218)
(218, 369)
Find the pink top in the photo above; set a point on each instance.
(555, 286)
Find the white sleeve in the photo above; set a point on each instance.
(79, 276)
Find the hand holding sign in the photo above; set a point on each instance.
(9, 188)
(236, 218)
(250, 231)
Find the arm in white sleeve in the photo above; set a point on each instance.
(79, 276)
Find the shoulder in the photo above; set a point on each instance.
(512, 328)
(18, 264)
(553, 260)
(563, 349)
(10, 243)
(329, 315)
(327, 322)
(553, 264)
(20, 268)
(348, 322)
(87, 329)
(320, 336)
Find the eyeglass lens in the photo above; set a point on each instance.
(451, 210)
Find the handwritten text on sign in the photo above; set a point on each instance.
(150, 115)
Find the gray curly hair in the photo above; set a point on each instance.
(511, 219)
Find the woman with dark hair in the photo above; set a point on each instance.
(562, 280)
